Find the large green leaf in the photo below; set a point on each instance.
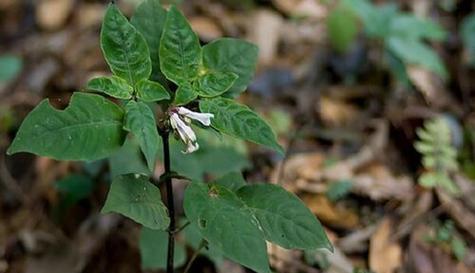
(153, 246)
(226, 224)
(89, 128)
(284, 219)
(180, 51)
(185, 94)
(113, 86)
(418, 53)
(124, 48)
(214, 159)
(214, 83)
(412, 27)
(128, 159)
(232, 55)
(232, 181)
(140, 121)
(239, 121)
(149, 19)
(135, 197)
(150, 91)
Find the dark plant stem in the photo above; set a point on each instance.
(170, 202)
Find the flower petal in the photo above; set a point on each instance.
(203, 118)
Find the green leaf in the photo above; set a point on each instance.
(140, 121)
(150, 91)
(416, 52)
(113, 86)
(239, 121)
(153, 245)
(149, 19)
(232, 55)
(214, 83)
(124, 48)
(342, 28)
(184, 94)
(136, 198)
(194, 239)
(128, 160)
(10, 67)
(283, 217)
(180, 51)
(467, 29)
(411, 27)
(232, 181)
(74, 188)
(211, 159)
(89, 128)
(226, 224)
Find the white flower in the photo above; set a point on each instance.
(180, 119)
(204, 118)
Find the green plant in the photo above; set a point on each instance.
(447, 236)
(10, 66)
(402, 34)
(439, 157)
(159, 67)
(467, 29)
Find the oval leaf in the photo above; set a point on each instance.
(284, 219)
(180, 51)
(226, 225)
(239, 121)
(214, 83)
(89, 128)
(140, 121)
(136, 198)
(184, 94)
(151, 91)
(153, 246)
(128, 160)
(149, 19)
(112, 86)
(232, 55)
(124, 48)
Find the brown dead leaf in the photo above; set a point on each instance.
(384, 254)
(431, 87)
(305, 8)
(52, 14)
(264, 30)
(206, 28)
(337, 112)
(89, 15)
(334, 215)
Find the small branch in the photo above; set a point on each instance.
(195, 255)
(178, 230)
(170, 201)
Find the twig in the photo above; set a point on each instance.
(178, 230)
(195, 255)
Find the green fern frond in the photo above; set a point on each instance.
(439, 157)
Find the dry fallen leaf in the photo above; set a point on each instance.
(336, 112)
(331, 214)
(206, 28)
(52, 14)
(265, 31)
(384, 254)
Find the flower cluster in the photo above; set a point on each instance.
(180, 120)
